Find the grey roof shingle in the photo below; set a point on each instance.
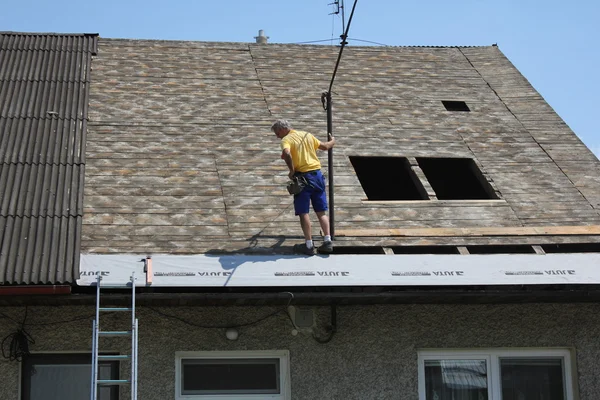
(44, 81)
(181, 159)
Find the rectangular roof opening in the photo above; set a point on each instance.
(453, 105)
(501, 249)
(572, 248)
(358, 250)
(456, 179)
(388, 178)
(425, 249)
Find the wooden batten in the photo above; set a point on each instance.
(471, 232)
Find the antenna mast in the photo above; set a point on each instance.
(339, 7)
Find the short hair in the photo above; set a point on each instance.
(281, 124)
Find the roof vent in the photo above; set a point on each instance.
(261, 38)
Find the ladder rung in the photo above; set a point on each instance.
(115, 357)
(116, 309)
(115, 287)
(114, 333)
(113, 382)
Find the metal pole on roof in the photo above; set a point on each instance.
(330, 166)
(327, 104)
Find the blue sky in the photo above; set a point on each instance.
(553, 43)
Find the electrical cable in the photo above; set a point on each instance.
(62, 322)
(314, 41)
(227, 326)
(8, 317)
(15, 346)
(18, 345)
(330, 329)
(368, 41)
(332, 25)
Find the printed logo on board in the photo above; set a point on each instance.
(428, 273)
(521, 273)
(560, 272)
(448, 273)
(174, 274)
(95, 273)
(411, 273)
(333, 273)
(215, 273)
(313, 273)
(296, 273)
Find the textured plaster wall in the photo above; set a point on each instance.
(373, 355)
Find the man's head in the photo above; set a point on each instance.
(281, 127)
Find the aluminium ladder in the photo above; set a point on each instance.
(97, 333)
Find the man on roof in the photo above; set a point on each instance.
(298, 150)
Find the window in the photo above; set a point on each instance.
(453, 105)
(495, 375)
(65, 377)
(235, 375)
(456, 179)
(388, 178)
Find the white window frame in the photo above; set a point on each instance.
(492, 357)
(284, 373)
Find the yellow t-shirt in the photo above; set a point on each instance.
(303, 147)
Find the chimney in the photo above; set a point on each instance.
(261, 38)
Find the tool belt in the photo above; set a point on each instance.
(299, 182)
(296, 185)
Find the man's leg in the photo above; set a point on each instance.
(324, 222)
(301, 207)
(306, 227)
(305, 248)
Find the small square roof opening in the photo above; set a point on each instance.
(454, 105)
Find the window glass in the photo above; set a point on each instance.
(230, 376)
(532, 379)
(456, 380)
(496, 374)
(65, 377)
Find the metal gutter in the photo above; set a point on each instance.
(28, 290)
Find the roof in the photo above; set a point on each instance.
(181, 159)
(44, 81)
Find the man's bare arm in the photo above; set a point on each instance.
(327, 145)
(287, 157)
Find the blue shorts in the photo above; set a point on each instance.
(313, 192)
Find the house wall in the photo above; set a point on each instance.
(372, 356)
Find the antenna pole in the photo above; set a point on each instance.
(328, 106)
(343, 17)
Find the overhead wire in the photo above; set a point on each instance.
(314, 41)
(368, 41)
(227, 326)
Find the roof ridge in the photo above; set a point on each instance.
(46, 33)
